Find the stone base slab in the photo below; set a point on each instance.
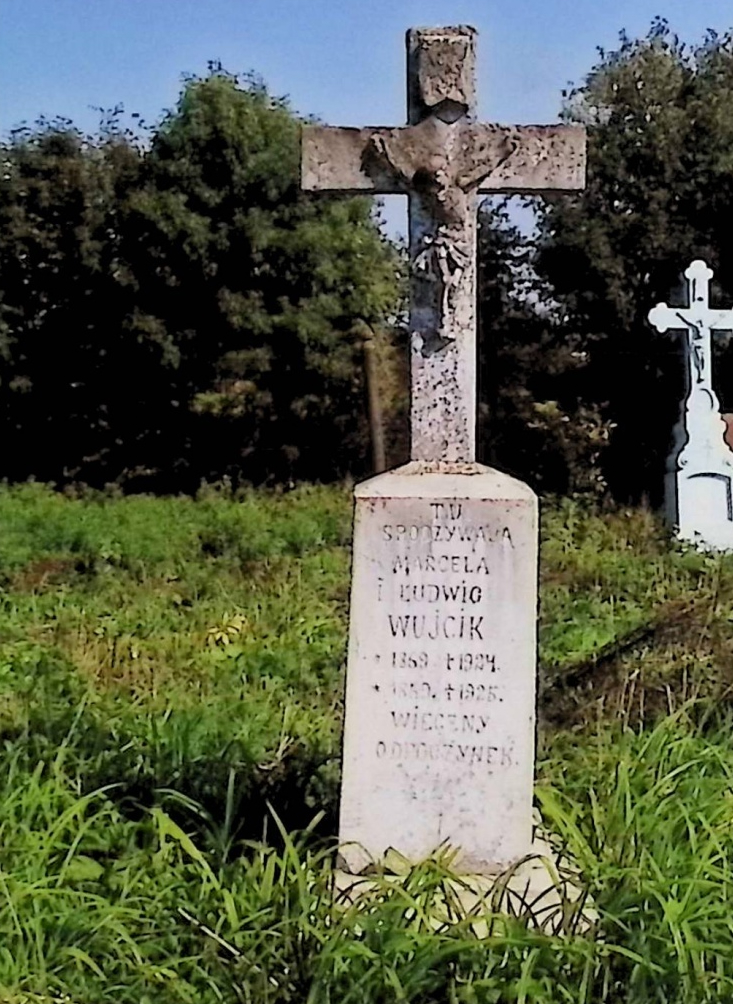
(543, 890)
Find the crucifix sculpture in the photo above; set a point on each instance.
(442, 160)
(700, 469)
(698, 320)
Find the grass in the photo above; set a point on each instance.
(170, 696)
(202, 638)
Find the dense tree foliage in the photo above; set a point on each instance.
(175, 309)
(660, 191)
(182, 311)
(534, 418)
(64, 296)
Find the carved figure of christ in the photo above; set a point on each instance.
(442, 160)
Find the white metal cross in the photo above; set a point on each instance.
(699, 483)
(699, 321)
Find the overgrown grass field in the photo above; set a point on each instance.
(171, 676)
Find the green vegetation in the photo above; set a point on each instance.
(658, 114)
(173, 308)
(170, 688)
(176, 310)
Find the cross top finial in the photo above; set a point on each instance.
(698, 270)
(698, 276)
(441, 72)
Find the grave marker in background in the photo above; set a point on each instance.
(440, 695)
(699, 482)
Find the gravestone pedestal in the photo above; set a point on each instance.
(440, 696)
(699, 485)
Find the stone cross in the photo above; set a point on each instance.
(442, 160)
(439, 723)
(700, 478)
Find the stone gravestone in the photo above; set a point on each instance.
(440, 693)
(698, 490)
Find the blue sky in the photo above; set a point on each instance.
(339, 59)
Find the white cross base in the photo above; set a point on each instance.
(699, 481)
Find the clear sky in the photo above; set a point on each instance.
(339, 59)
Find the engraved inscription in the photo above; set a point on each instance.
(439, 626)
(446, 533)
(439, 676)
(500, 756)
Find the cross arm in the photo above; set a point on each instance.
(720, 320)
(494, 158)
(665, 318)
(342, 159)
(534, 158)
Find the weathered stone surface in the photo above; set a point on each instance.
(699, 483)
(439, 728)
(442, 160)
(439, 731)
(441, 67)
(541, 158)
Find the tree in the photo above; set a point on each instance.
(660, 186)
(62, 298)
(534, 420)
(182, 311)
(257, 286)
